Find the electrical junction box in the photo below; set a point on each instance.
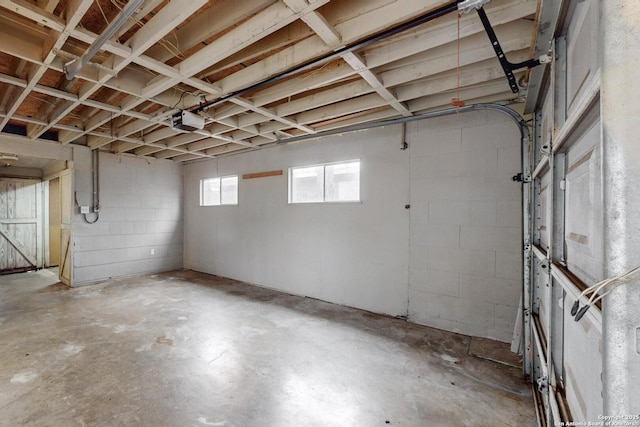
(84, 210)
(185, 120)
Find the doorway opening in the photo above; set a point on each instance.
(35, 216)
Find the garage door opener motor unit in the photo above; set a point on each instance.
(185, 120)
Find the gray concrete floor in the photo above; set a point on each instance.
(190, 349)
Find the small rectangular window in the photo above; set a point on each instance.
(342, 182)
(332, 182)
(219, 191)
(307, 184)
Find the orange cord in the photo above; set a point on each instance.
(456, 102)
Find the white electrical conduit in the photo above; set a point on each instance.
(527, 227)
(433, 114)
(73, 67)
(525, 139)
(95, 183)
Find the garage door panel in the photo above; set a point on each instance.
(583, 224)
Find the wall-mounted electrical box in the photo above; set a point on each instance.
(84, 210)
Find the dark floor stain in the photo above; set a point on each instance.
(495, 351)
(54, 288)
(164, 340)
(236, 293)
(370, 315)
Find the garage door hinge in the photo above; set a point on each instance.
(542, 384)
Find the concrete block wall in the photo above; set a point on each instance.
(452, 261)
(140, 229)
(466, 245)
(354, 254)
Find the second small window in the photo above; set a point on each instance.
(332, 182)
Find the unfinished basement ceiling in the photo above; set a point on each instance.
(188, 54)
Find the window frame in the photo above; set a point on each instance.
(219, 178)
(324, 183)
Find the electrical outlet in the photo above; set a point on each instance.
(84, 210)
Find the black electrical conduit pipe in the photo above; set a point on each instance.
(507, 66)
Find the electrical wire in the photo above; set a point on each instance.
(173, 49)
(276, 89)
(612, 283)
(194, 94)
(456, 102)
(97, 2)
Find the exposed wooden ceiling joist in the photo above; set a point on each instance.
(176, 54)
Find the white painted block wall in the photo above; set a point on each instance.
(141, 212)
(354, 254)
(466, 233)
(458, 248)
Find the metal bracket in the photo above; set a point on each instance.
(544, 263)
(466, 6)
(543, 383)
(72, 69)
(74, 58)
(546, 150)
(520, 177)
(545, 59)
(507, 66)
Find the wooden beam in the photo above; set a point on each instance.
(57, 39)
(35, 13)
(23, 146)
(399, 69)
(329, 35)
(48, 5)
(145, 10)
(261, 174)
(357, 63)
(470, 75)
(431, 62)
(257, 27)
(206, 25)
(170, 16)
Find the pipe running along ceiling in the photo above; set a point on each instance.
(259, 72)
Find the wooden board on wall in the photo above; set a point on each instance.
(261, 174)
(66, 243)
(55, 217)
